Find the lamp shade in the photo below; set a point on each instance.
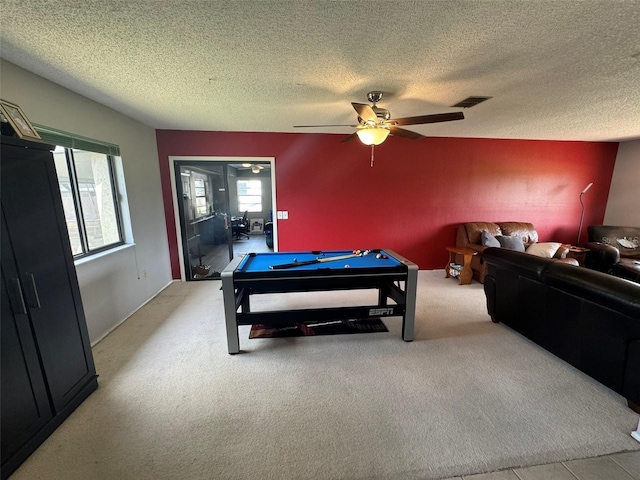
(372, 135)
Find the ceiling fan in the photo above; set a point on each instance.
(375, 123)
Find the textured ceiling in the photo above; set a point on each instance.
(567, 70)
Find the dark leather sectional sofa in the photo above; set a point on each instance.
(587, 318)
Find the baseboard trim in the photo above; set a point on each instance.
(93, 344)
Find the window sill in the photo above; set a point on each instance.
(106, 253)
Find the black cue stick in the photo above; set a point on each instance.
(311, 262)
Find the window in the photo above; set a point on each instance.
(250, 195)
(201, 197)
(89, 196)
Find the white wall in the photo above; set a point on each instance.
(116, 284)
(623, 205)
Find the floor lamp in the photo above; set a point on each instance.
(582, 214)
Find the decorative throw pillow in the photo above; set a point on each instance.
(512, 243)
(489, 240)
(544, 249)
(627, 242)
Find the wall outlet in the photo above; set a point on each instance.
(285, 215)
(279, 214)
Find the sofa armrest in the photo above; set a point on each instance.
(601, 256)
(561, 252)
(477, 248)
(476, 260)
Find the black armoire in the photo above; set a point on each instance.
(47, 366)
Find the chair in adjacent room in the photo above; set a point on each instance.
(240, 227)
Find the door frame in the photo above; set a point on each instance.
(227, 159)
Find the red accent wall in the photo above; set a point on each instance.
(417, 191)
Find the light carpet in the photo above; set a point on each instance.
(467, 396)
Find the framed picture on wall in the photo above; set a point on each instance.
(18, 121)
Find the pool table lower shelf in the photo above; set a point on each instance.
(244, 277)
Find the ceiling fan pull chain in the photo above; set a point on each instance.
(372, 147)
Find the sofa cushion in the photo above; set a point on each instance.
(475, 229)
(524, 230)
(489, 240)
(544, 249)
(512, 243)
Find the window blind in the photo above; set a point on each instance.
(71, 140)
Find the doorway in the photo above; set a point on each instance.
(223, 209)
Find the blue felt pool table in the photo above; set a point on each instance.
(392, 275)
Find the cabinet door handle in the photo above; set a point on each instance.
(17, 298)
(32, 299)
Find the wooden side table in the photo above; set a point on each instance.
(466, 274)
(578, 253)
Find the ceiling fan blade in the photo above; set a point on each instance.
(365, 112)
(317, 126)
(438, 117)
(349, 138)
(401, 132)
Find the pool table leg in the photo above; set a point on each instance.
(383, 293)
(228, 295)
(410, 289)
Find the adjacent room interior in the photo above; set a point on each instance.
(205, 191)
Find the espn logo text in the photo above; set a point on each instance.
(380, 312)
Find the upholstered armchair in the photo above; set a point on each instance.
(614, 250)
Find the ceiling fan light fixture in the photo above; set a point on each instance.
(372, 135)
(256, 168)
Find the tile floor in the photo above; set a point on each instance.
(619, 466)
